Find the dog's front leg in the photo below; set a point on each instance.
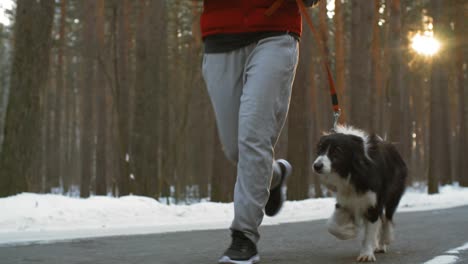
(386, 236)
(341, 224)
(370, 241)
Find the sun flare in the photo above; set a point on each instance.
(425, 44)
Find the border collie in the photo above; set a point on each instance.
(368, 176)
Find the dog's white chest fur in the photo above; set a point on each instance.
(346, 195)
(355, 203)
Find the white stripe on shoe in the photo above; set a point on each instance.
(228, 260)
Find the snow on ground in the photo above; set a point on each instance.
(42, 218)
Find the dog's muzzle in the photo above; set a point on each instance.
(318, 166)
(322, 165)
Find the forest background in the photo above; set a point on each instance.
(106, 97)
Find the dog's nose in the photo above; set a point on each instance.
(318, 166)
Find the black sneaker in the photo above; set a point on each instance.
(278, 194)
(241, 251)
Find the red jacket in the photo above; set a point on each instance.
(241, 16)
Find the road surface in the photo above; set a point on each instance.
(420, 236)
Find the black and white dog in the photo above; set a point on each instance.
(368, 175)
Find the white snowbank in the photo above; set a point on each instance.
(32, 217)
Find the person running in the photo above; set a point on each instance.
(251, 50)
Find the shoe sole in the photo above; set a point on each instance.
(287, 166)
(287, 172)
(228, 260)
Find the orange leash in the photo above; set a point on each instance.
(272, 9)
(331, 82)
(336, 107)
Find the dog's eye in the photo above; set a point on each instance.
(337, 151)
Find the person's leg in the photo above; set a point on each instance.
(223, 74)
(268, 77)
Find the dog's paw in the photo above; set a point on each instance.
(366, 255)
(366, 258)
(341, 225)
(345, 232)
(381, 249)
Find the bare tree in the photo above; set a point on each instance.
(28, 77)
(224, 174)
(461, 34)
(377, 78)
(100, 185)
(360, 64)
(87, 88)
(121, 91)
(299, 130)
(62, 102)
(395, 81)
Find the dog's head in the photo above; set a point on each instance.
(339, 155)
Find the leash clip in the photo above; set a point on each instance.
(336, 117)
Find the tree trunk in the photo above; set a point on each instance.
(122, 89)
(224, 175)
(361, 59)
(298, 130)
(434, 133)
(4, 90)
(165, 165)
(52, 101)
(406, 109)
(70, 168)
(88, 65)
(100, 100)
(150, 100)
(376, 91)
(461, 53)
(138, 154)
(443, 31)
(62, 103)
(436, 140)
(28, 77)
(55, 157)
(395, 75)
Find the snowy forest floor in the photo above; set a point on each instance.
(43, 218)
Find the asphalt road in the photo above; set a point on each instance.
(420, 236)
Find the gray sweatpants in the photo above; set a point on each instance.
(250, 89)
